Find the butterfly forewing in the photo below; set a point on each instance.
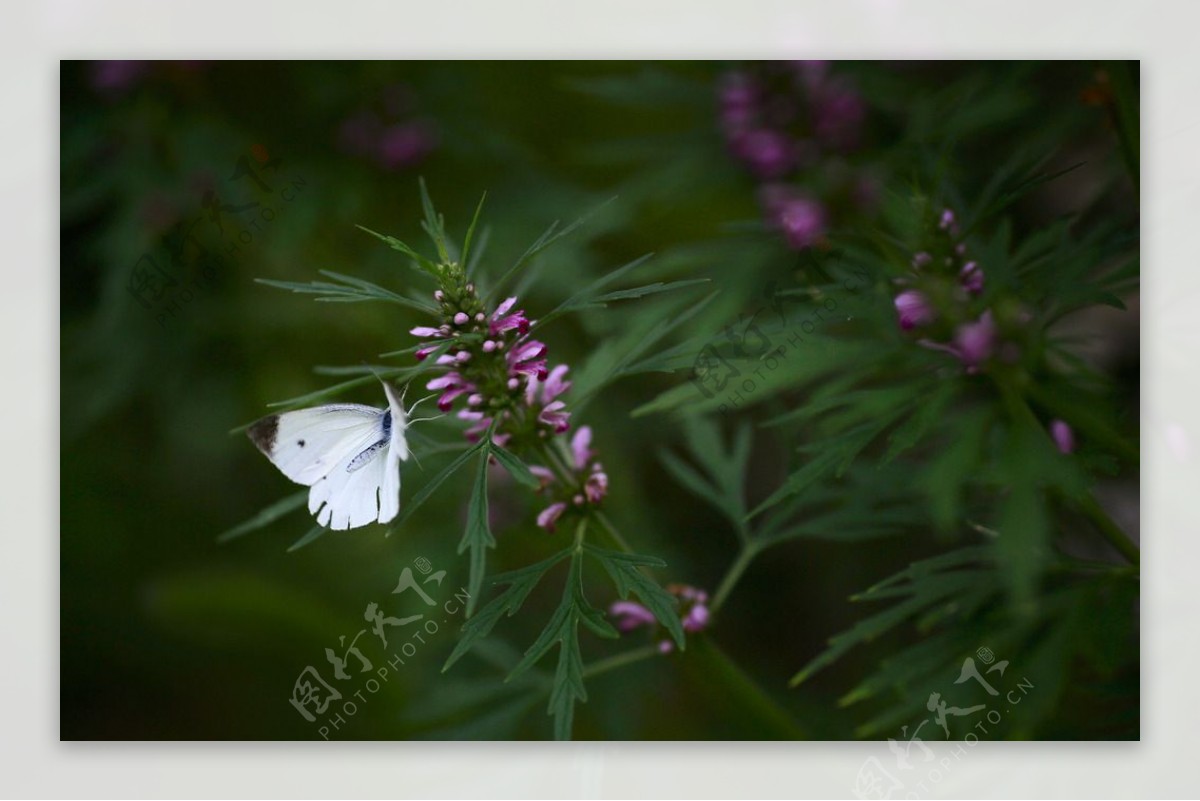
(306, 444)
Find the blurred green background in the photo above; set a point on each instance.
(167, 634)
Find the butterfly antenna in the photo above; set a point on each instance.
(419, 402)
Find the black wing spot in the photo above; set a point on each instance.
(263, 433)
(300, 442)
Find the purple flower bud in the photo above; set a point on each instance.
(480, 317)
(971, 277)
(913, 309)
(976, 341)
(1063, 436)
(425, 331)
(947, 219)
(475, 400)
(461, 319)
(405, 145)
(488, 346)
(696, 618)
(802, 221)
(596, 487)
(921, 259)
(439, 295)
(463, 356)
(768, 153)
(514, 382)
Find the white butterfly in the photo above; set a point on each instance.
(347, 453)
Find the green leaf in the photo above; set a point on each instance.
(516, 468)
(478, 535)
(920, 586)
(563, 630)
(313, 535)
(568, 681)
(624, 570)
(548, 238)
(267, 516)
(435, 482)
(422, 262)
(347, 289)
(434, 224)
(520, 583)
(465, 256)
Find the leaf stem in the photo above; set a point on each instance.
(719, 670)
(745, 556)
(619, 660)
(1111, 531)
(612, 532)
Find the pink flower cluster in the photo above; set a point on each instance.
(694, 613)
(791, 125)
(946, 269)
(588, 485)
(493, 362)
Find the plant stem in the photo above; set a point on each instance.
(612, 532)
(619, 660)
(737, 688)
(1111, 531)
(745, 556)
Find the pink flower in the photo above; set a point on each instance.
(549, 516)
(971, 277)
(976, 341)
(768, 153)
(552, 414)
(528, 358)
(802, 221)
(405, 145)
(630, 615)
(503, 321)
(581, 447)
(913, 309)
(596, 486)
(1063, 436)
(452, 385)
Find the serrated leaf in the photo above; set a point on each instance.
(478, 535)
(520, 583)
(421, 262)
(623, 569)
(431, 486)
(516, 468)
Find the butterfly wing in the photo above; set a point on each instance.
(307, 444)
(362, 489)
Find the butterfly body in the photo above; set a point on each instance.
(347, 454)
